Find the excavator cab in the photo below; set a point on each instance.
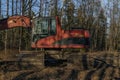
(43, 27)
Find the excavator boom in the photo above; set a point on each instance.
(15, 21)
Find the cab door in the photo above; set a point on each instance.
(40, 29)
(44, 28)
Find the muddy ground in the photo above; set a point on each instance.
(88, 66)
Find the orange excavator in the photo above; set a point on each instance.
(48, 33)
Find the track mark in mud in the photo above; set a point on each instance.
(111, 74)
(73, 75)
(12, 66)
(95, 64)
(7, 66)
(102, 72)
(84, 62)
(23, 75)
(99, 66)
(89, 75)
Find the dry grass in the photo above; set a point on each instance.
(8, 55)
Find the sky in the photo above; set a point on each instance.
(103, 3)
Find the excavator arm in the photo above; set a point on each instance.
(15, 21)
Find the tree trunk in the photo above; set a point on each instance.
(0, 8)
(6, 37)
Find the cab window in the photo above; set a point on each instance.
(43, 27)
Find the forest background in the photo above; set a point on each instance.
(101, 18)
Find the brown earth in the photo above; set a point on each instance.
(89, 66)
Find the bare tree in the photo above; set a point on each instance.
(0, 7)
(6, 35)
